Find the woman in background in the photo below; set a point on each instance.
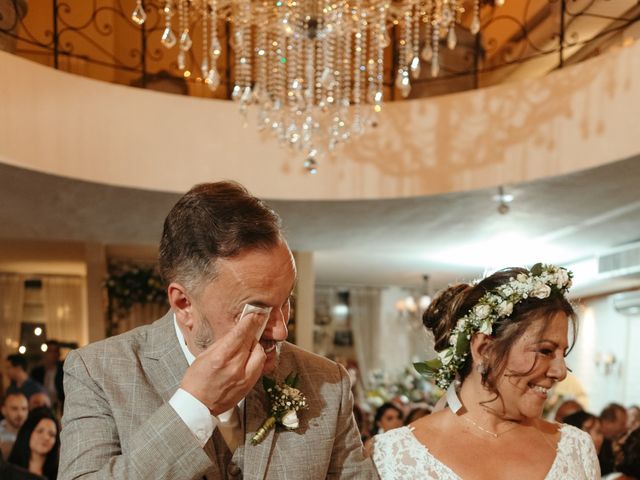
(37, 445)
(588, 423)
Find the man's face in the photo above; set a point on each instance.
(12, 372)
(260, 277)
(15, 410)
(617, 428)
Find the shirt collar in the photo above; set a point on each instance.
(183, 344)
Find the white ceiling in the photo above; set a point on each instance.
(382, 242)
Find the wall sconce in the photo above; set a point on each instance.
(412, 306)
(605, 361)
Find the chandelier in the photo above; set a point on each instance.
(313, 68)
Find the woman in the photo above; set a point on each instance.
(587, 423)
(501, 345)
(388, 417)
(38, 444)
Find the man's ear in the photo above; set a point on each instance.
(180, 304)
(480, 344)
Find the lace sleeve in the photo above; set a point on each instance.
(576, 456)
(590, 457)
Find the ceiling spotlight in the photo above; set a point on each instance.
(503, 199)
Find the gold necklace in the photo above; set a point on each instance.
(488, 432)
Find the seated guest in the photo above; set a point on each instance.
(14, 410)
(39, 399)
(50, 375)
(20, 379)
(614, 425)
(387, 417)
(37, 445)
(628, 468)
(588, 423)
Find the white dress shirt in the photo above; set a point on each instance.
(198, 417)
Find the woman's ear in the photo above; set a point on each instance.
(480, 344)
(180, 304)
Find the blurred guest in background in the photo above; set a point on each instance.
(39, 399)
(416, 413)
(14, 410)
(388, 417)
(588, 423)
(567, 408)
(13, 472)
(614, 425)
(628, 467)
(49, 375)
(37, 445)
(20, 380)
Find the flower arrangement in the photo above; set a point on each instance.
(407, 386)
(492, 306)
(128, 284)
(285, 403)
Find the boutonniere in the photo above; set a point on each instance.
(285, 401)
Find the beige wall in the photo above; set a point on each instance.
(573, 119)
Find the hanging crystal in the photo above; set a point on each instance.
(185, 40)
(415, 67)
(212, 79)
(427, 52)
(475, 23)
(138, 16)
(168, 38)
(452, 39)
(402, 83)
(310, 163)
(181, 59)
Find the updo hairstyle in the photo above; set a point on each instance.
(457, 300)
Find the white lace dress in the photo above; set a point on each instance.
(398, 454)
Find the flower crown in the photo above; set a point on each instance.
(498, 303)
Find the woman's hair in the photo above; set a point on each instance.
(380, 413)
(578, 419)
(630, 463)
(416, 413)
(457, 300)
(21, 452)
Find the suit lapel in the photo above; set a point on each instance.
(256, 457)
(162, 357)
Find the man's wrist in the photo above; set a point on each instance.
(194, 414)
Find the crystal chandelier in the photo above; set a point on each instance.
(313, 68)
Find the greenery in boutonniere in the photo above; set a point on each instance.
(285, 401)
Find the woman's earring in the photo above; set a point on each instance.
(482, 369)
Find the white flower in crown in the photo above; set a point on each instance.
(446, 355)
(481, 311)
(541, 290)
(486, 327)
(290, 420)
(562, 279)
(505, 308)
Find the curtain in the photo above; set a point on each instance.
(364, 303)
(140, 314)
(63, 307)
(11, 309)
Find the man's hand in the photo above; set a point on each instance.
(227, 370)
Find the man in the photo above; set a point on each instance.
(20, 380)
(40, 399)
(182, 398)
(613, 420)
(49, 375)
(14, 410)
(566, 408)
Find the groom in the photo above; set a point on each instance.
(182, 397)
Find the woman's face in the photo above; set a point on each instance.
(534, 364)
(390, 419)
(592, 427)
(43, 437)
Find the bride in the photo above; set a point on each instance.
(501, 346)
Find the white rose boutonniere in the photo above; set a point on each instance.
(285, 402)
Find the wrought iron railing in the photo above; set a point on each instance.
(97, 38)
